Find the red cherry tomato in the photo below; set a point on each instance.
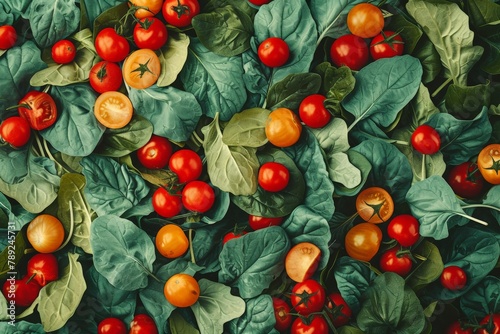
(186, 164)
(8, 37)
(39, 109)
(156, 153)
(22, 291)
(316, 325)
(491, 324)
(392, 261)
(404, 229)
(312, 111)
(339, 312)
(351, 51)
(273, 52)
(150, 33)
(165, 204)
(180, 13)
(110, 46)
(112, 326)
(453, 278)
(282, 314)
(105, 77)
(16, 131)
(143, 324)
(258, 222)
(273, 176)
(386, 45)
(426, 140)
(63, 51)
(43, 268)
(198, 196)
(466, 180)
(308, 296)
(259, 2)
(456, 328)
(232, 235)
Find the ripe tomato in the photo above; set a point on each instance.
(340, 313)
(63, 51)
(105, 77)
(404, 229)
(16, 131)
(374, 205)
(426, 140)
(453, 278)
(259, 2)
(312, 111)
(488, 161)
(39, 109)
(143, 324)
(466, 180)
(44, 268)
(308, 296)
(186, 164)
(302, 260)
(45, 233)
(149, 7)
(283, 127)
(166, 204)
(113, 109)
(182, 290)
(112, 326)
(273, 176)
(156, 153)
(258, 222)
(198, 196)
(456, 328)
(314, 325)
(171, 241)
(386, 45)
(391, 260)
(8, 37)
(141, 69)
(365, 20)
(491, 324)
(232, 235)
(150, 33)
(110, 46)
(23, 291)
(351, 51)
(362, 241)
(273, 52)
(179, 13)
(282, 314)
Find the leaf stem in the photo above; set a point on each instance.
(471, 206)
(423, 171)
(440, 88)
(479, 221)
(191, 249)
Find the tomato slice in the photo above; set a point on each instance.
(374, 205)
(114, 110)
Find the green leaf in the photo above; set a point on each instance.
(123, 253)
(231, 168)
(226, 31)
(391, 307)
(447, 27)
(21, 327)
(421, 107)
(363, 165)
(410, 32)
(216, 306)
(429, 58)
(482, 299)
(428, 270)
(337, 84)
(349, 330)
(94, 8)
(59, 299)
(18, 243)
(246, 128)
(173, 56)
(466, 102)
(289, 92)
(258, 317)
(179, 325)
(111, 18)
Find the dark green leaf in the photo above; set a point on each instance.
(410, 32)
(467, 102)
(482, 299)
(16, 243)
(94, 8)
(179, 325)
(289, 92)
(15, 164)
(255, 79)
(427, 270)
(429, 58)
(258, 317)
(21, 327)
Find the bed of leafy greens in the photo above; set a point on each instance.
(214, 96)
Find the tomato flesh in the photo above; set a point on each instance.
(39, 109)
(114, 110)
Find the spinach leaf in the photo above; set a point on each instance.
(21, 327)
(174, 113)
(76, 131)
(246, 128)
(300, 36)
(289, 92)
(251, 262)
(353, 280)
(349, 330)
(10, 12)
(466, 102)
(258, 317)
(53, 21)
(255, 79)
(447, 26)
(15, 163)
(219, 208)
(226, 31)
(111, 188)
(410, 32)
(391, 307)
(177, 323)
(20, 244)
(363, 165)
(94, 8)
(390, 168)
(421, 108)
(461, 139)
(59, 299)
(398, 80)
(17, 66)
(173, 56)
(216, 306)
(231, 168)
(429, 58)
(215, 81)
(482, 299)
(337, 84)
(429, 267)
(493, 198)
(123, 253)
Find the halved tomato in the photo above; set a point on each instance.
(114, 110)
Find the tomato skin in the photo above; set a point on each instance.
(232, 235)
(466, 180)
(44, 267)
(426, 140)
(456, 328)
(404, 229)
(453, 278)
(110, 46)
(39, 109)
(273, 176)
(16, 131)
(273, 52)
(105, 77)
(282, 314)
(313, 113)
(143, 324)
(186, 164)
(283, 127)
(182, 290)
(317, 325)
(495, 329)
(374, 205)
(341, 318)
(150, 33)
(141, 69)
(198, 196)
(171, 241)
(153, 7)
(362, 241)
(63, 51)
(156, 153)
(8, 37)
(23, 291)
(488, 161)
(180, 13)
(308, 296)
(45, 233)
(165, 204)
(113, 109)
(351, 51)
(302, 260)
(258, 222)
(259, 2)
(390, 261)
(112, 326)
(387, 44)
(365, 20)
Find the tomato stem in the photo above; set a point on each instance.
(326, 316)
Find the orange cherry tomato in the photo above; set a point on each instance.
(114, 110)
(141, 69)
(302, 260)
(283, 127)
(374, 205)
(362, 241)
(45, 233)
(488, 162)
(171, 241)
(365, 20)
(151, 7)
(181, 290)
